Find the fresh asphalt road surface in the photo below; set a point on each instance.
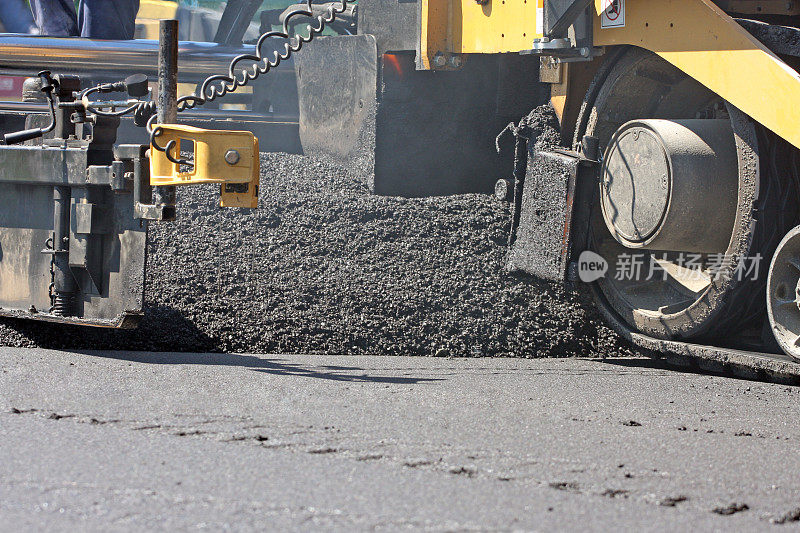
(132, 441)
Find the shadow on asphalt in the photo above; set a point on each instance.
(632, 362)
(647, 363)
(277, 367)
(658, 364)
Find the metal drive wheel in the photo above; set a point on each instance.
(783, 294)
(689, 197)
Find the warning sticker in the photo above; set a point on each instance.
(613, 15)
(540, 17)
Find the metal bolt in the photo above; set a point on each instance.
(455, 61)
(439, 60)
(504, 190)
(232, 157)
(584, 52)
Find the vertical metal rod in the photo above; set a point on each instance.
(520, 169)
(64, 286)
(167, 96)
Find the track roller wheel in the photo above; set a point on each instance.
(783, 294)
(691, 189)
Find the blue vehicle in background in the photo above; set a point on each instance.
(16, 17)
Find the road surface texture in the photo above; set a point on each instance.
(140, 441)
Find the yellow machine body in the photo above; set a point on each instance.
(150, 12)
(694, 35)
(467, 27)
(229, 158)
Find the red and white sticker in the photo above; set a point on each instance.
(11, 87)
(613, 15)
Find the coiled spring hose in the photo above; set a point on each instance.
(252, 66)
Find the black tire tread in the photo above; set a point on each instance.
(776, 212)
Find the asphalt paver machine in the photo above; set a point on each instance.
(672, 200)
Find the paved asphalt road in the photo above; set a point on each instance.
(133, 441)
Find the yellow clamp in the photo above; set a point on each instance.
(229, 158)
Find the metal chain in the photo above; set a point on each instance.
(49, 245)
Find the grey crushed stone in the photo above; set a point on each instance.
(323, 266)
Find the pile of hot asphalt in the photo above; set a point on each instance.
(324, 266)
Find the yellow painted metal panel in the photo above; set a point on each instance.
(434, 29)
(467, 27)
(708, 45)
(496, 26)
(150, 12)
(147, 29)
(157, 9)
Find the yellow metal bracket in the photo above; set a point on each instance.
(229, 158)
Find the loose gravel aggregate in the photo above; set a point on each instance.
(324, 266)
